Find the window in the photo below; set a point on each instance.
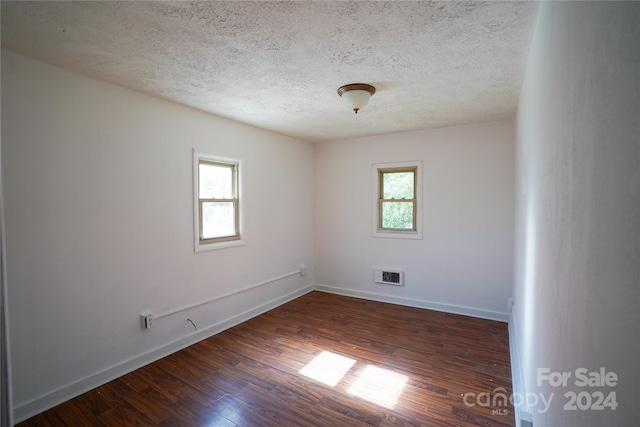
(217, 207)
(397, 200)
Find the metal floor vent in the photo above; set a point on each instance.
(389, 277)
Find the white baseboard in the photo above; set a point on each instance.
(90, 382)
(517, 378)
(430, 305)
(72, 390)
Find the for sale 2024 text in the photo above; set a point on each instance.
(594, 400)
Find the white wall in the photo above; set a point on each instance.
(577, 274)
(464, 261)
(99, 227)
(6, 404)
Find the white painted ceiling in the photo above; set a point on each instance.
(277, 65)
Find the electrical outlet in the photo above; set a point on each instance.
(147, 321)
(303, 270)
(509, 304)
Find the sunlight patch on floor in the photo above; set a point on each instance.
(328, 368)
(380, 386)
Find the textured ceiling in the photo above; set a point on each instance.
(278, 65)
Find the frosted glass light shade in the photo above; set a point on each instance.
(356, 95)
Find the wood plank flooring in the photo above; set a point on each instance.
(404, 367)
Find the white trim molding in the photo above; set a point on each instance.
(517, 378)
(83, 385)
(375, 195)
(410, 302)
(90, 382)
(199, 246)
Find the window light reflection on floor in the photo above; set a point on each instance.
(328, 368)
(380, 386)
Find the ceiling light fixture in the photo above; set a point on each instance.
(356, 95)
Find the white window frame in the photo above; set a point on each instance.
(225, 242)
(376, 205)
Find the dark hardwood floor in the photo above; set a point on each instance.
(402, 367)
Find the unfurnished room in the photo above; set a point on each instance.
(320, 213)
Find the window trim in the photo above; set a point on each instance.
(378, 169)
(201, 244)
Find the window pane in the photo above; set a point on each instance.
(397, 185)
(215, 181)
(218, 220)
(397, 215)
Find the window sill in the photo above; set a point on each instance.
(221, 245)
(414, 235)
